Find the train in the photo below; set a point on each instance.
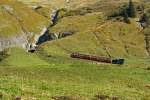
(119, 61)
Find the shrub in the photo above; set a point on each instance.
(124, 11)
(119, 11)
(4, 54)
(145, 20)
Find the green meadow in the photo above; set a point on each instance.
(51, 74)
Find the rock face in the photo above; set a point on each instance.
(45, 36)
(20, 41)
(20, 25)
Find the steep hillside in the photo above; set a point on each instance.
(92, 35)
(87, 23)
(72, 4)
(19, 24)
(102, 36)
(91, 32)
(95, 27)
(61, 3)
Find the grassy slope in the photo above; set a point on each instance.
(51, 72)
(60, 3)
(18, 57)
(95, 36)
(65, 76)
(8, 27)
(73, 3)
(21, 16)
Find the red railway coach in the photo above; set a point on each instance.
(97, 58)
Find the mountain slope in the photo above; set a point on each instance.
(50, 73)
(18, 21)
(72, 4)
(93, 35)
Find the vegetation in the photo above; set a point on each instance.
(62, 76)
(126, 18)
(17, 18)
(147, 35)
(120, 11)
(124, 11)
(145, 18)
(50, 73)
(4, 54)
(131, 9)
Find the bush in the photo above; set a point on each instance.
(124, 11)
(4, 54)
(145, 20)
(117, 12)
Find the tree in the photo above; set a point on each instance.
(126, 18)
(131, 9)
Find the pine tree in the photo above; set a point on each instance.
(126, 18)
(131, 9)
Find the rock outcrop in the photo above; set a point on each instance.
(20, 41)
